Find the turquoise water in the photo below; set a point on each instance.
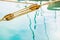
(42, 24)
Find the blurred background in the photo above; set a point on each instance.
(41, 24)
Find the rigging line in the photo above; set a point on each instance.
(35, 25)
(41, 7)
(35, 21)
(29, 3)
(49, 2)
(46, 29)
(30, 25)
